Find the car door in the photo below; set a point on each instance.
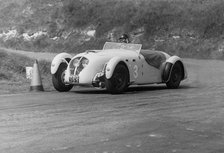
(145, 73)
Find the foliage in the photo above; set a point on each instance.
(198, 23)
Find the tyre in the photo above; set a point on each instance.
(175, 77)
(118, 83)
(58, 79)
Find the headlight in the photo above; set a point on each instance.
(84, 62)
(76, 62)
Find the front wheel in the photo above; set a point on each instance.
(118, 83)
(58, 79)
(175, 77)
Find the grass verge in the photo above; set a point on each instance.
(13, 73)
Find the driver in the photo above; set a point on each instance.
(124, 39)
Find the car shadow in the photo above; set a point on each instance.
(130, 90)
(89, 90)
(146, 88)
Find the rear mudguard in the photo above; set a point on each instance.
(167, 71)
(58, 59)
(168, 66)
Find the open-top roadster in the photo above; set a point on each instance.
(115, 67)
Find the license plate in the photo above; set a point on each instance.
(74, 79)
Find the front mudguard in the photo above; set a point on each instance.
(58, 59)
(111, 66)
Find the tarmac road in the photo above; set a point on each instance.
(148, 119)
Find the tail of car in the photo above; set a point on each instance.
(168, 66)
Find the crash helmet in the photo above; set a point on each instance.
(124, 38)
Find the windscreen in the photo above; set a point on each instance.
(126, 46)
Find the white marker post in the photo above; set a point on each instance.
(29, 72)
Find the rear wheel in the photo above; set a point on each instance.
(175, 77)
(118, 83)
(58, 79)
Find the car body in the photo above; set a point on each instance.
(115, 67)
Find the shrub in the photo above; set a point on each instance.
(201, 18)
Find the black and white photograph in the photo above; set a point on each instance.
(111, 76)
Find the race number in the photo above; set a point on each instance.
(135, 71)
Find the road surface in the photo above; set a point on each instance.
(150, 119)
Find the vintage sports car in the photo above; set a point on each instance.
(115, 67)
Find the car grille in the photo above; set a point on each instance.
(78, 64)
